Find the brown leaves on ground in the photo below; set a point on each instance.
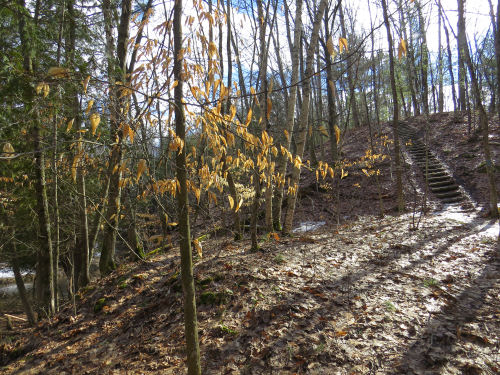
(367, 296)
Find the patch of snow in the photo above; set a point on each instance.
(11, 289)
(307, 226)
(482, 227)
(6, 273)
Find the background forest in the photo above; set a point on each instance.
(129, 128)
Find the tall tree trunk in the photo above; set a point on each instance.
(230, 180)
(395, 121)
(44, 288)
(290, 114)
(424, 58)
(82, 251)
(190, 320)
(263, 19)
(409, 61)
(462, 41)
(450, 69)
(497, 55)
(304, 114)
(44, 281)
(330, 93)
(483, 118)
(351, 79)
(116, 72)
(440, 65)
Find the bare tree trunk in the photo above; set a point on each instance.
(440, 65)
(350, 75)
(497, 55)
(330, 92)
(290, 114)
(424, 60)
(304, 113)
(116, 72)
(450, 69)
(483, 117)
(462, 104)
(44, 281)
(230, 180)
(395, 121)
(190, 319)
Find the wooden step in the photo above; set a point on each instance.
(437, 174)
(441, 183)
(452, 200)
(449, 194)
(439, 178)
(443, 189)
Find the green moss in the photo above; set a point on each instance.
(217, 298)
(98, 306)
(430, 282)
(227, 330)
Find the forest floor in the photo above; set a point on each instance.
(361, 294)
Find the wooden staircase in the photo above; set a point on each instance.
(440, 182)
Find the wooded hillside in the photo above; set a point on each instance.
(132, 130)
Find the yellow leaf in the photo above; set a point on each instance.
(58, 72)
(233, 113)
(330, 172)
(401, 48)
(46, 90)
(212, 50)
(39, 88)
(239, 205)
(329, 46)
(89, 106)
(141, 167)
(174, 85)
(337, 134)
(70, 124)
(231, 201)
(252, 91)
(342, 44)
(197, 193)
(286, 135)
(198, 248)
(74, 165)
(343, 174)
(95, 119)
(323, 131)
(365, 172)
(271, 84)
(249, 117)
(131, 134)
(85, 83)
(8, 149)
